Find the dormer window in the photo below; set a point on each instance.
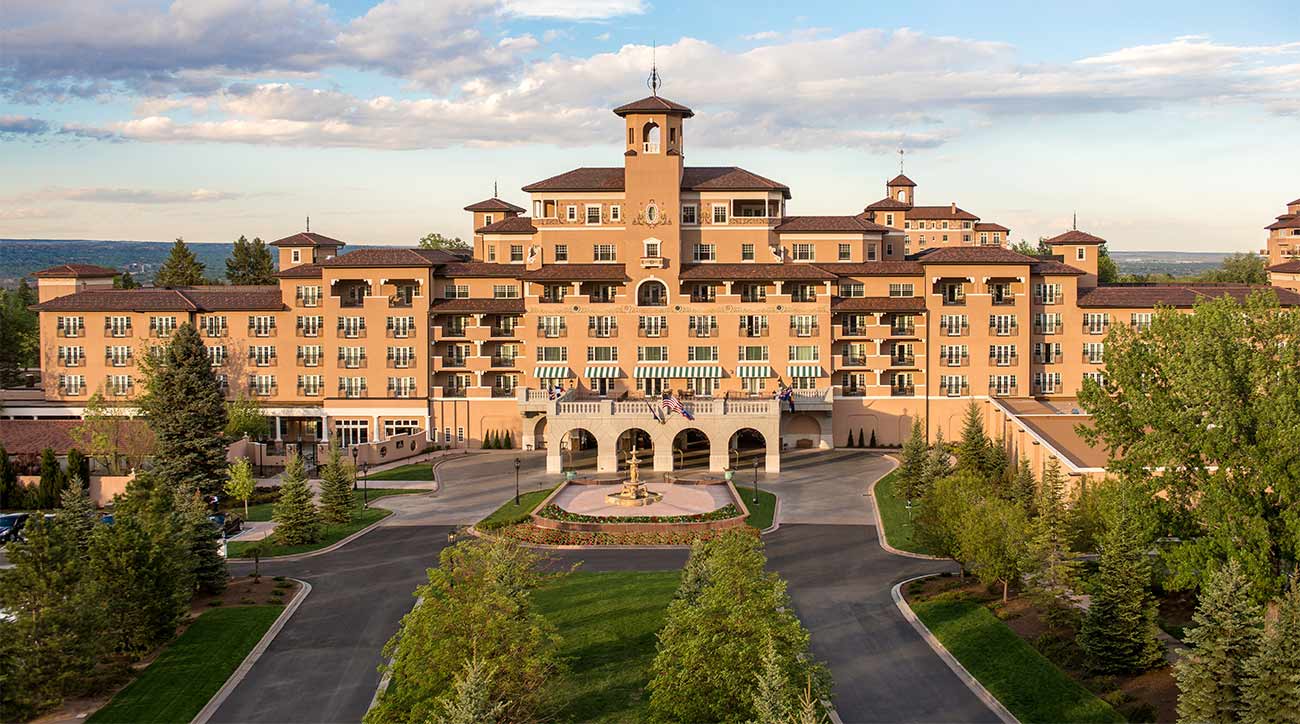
(296, 255)
(1080, 254)
(487, 219)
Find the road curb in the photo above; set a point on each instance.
(880, 523)
(970, 681)
(247, 664)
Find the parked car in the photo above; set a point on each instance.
(11, 526)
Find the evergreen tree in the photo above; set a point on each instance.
(186, 410)
(872, 442)
(1272, 691)
(1024, 488)
(772, 694)
(125, 281)
(852, 441)
(510, 440)
(997, 465)
(141, 580)
(210, 574)
(470, 700)
(20, 338)
(810, 709)
(1052, 571)
(240, 482)
(78, 465)
(53, 639)
(77, 514)
(11, 494)
(336, 481)
(938, 464)
(294, 512)
(1226, 632)
(250, 263)
(1119, 631)
(181, 268)
(861, 440)
(911, 469)
(973, 449)
(52, 479)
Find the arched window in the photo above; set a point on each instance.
(652, 293)
(650, 137)
(902, 195)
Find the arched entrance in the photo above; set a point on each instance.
(652, 293)
(644, 444)
(691, 449)
(801, 430)
(539, 434)
(746, 447)
(578, 450)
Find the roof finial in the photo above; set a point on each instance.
(900, 160)
(1074, 224)
(308, 224)
(654, 81)
(494, 188)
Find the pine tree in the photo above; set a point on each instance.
(1226, 632)
(852, 441)
(911, 470)
(336, 481)
(1119, 631)
(250, 263)
(1272, 691)
(510, 440)
(1024, 488)
(78, 465)
(294, 512)
(77, 513)
(187, 413)
(471, 699)
(52, 478)
(772, 694)
(997, 465)
(488, 442)
(209, 566)
(10, 493)
(872, 442)
(1053, 571)
(181, 269)
(810, 709)
(125, 281)
(972, 450)
(938, 464)
(141, 576)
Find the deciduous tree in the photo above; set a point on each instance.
(435, 240)
(240, 482)
(991, 538)
(244, 417)
(1226, 631)
(939, 520)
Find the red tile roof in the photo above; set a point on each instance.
(576, 272)
(1285, 221)
(889, 205)
(989, 226)
(391, 256)
(75, 271)
(494, 204)
(873, 268)
(755, 271)
(1293, 203)
(301, 271)
(307, 238)
(490, 306)
(1052, 267)
(31, 437)
(974, 255)
(941, 212)
(828, 224)
(654, 104)
(1287, 267)
(694, 178)
(901, 180)
(1074, 236)
(878, 304)
(480, 269)
(513, 225)
(1173, 295)
(184, 299)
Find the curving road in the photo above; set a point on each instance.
(323, 666)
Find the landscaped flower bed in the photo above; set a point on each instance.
(555, 512)
(545, 536)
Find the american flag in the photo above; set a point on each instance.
(672, 404)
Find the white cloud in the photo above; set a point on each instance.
(603, 37)
(762, 35)
(23, 125)
(128, 196)
(574, 9)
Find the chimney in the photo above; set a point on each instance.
(954, 208)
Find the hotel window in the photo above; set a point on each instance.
(753, 385)
(310, 385)
(550, 326)
(900, 290)
(1047, 323)
(945, 238)
(460, 434)
(707, 353)
(965, 224)
(118, 326)
(72, 356)
(954, 355)
(871, 252)
(1080, 254)
(1047, 383)
(889, 250)
(552, 354)
(704, 252)
(1003, 325)
(309, 326)
(1047, 293)
(352, 432)
(401, 327)
(401, 357)
(261, 325)
(1140, 320)
(702, 386)
(753, 292)
(71, 326)
(984, 238)
(1002, 384)
(352, 387)
(719, 213)
(945, 225)
(455, 291)
(1094, 352)
(803, 325)
(554, 293)
(352, 327)
(747, 252)
(217, 355)
(308, 296)
(309, 355)
(952, 385)
(72, 384)
(1002, 355)
(593, 214)
(690, 214)
(650, 249)
(352, 357)
(852, 289)
(752, 353)
(889, 219)
(571, 213)
(516, 253)
(401, 386)
(803, 293)
(118, 356)
(803, 252)
(492, 253)
(488, 219)
(845, 252)
(603, 252)
(505, 385)
(704, 293)
(1098, 377)
(1047, 352)
(120, 384)
(804, 353)
(601, 293)
(506, 353)
(615, 212)
(854, 383)
(702, 326)
(505, 291)
(903, 383)
(655, 326)
(753, 325)
(1096, 322)
(561, 252)
(652, 354)
(262, 385)
(296, 255)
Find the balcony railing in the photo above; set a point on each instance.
(996, 390)
(1004, 329)
(652, 331)
(501, 361)
(1004, 360)
(954, 360)
(751, 330)
(853, 330)
(902, 361)
(956, 390)
(902, 330)
(804, 330)
(1095, 328)
(902, 390)
(449, 360)
(398, 301)
(552, 332)
(702, 331)
(608, 330)
(507, 332)
(853, 360)
(503, 392)
(955, 330)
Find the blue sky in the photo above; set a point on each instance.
(1163, 125)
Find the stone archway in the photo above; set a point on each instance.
(691, 449)
(644, 443)
(578, 449)
(539, 433)
(745, 447)
(800, 430)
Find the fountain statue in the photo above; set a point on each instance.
(633, 492)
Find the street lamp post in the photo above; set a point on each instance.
(755, 481)
(355, 451)
(516, 482)
(365, 486)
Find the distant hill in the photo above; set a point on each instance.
(1175, 263)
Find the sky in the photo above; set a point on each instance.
(1162, 125)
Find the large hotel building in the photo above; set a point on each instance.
(617, 284)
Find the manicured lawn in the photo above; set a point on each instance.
(893, 512)
(332, 534)
(1021, 678)
(262, 512)
(187, 674)
(509, 513)
(760, 513)
(608, 622)
(411, 471)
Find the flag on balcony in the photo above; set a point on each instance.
(672, 404)
(786, 395)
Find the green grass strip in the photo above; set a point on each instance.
(1026, 683)
(330, 535)
(510, 514)
(760, 513)
(176, 686)
(410, 471)
(893, 513)
(261, 512)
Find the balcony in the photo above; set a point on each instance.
(551, 298)
(954, 360)
(1092, 359)
(703, 298)
(653, 262)
(399, 301)
(852, 392)
(505, 332)
(853, 330)
(1004, 360)
(504, 361)
(954, 330)
(956, 390)
(1096, 329)
(752, 330)
(902, 330)
(650, 147)
(503, 392)
(1047, 329)
(452, 331)
(902, 390)
(804, 330)
(996, 390)
(652, 332)
(702, 331)
(551, 332)
(602, 331)
(902, 361)
(352, 363)
(853, 360)
(1004, 329)
(455, 391)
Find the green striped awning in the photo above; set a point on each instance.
(753, 371)
(602, 373)
(804, 371)
(669, 372)
(552, 373)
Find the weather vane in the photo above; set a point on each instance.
(654, 81)
(900, 161)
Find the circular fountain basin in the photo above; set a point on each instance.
(672, 499)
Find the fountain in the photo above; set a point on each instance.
(634, 492)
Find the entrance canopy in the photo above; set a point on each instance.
(672, 372)
(753, 371)
(552, 373)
